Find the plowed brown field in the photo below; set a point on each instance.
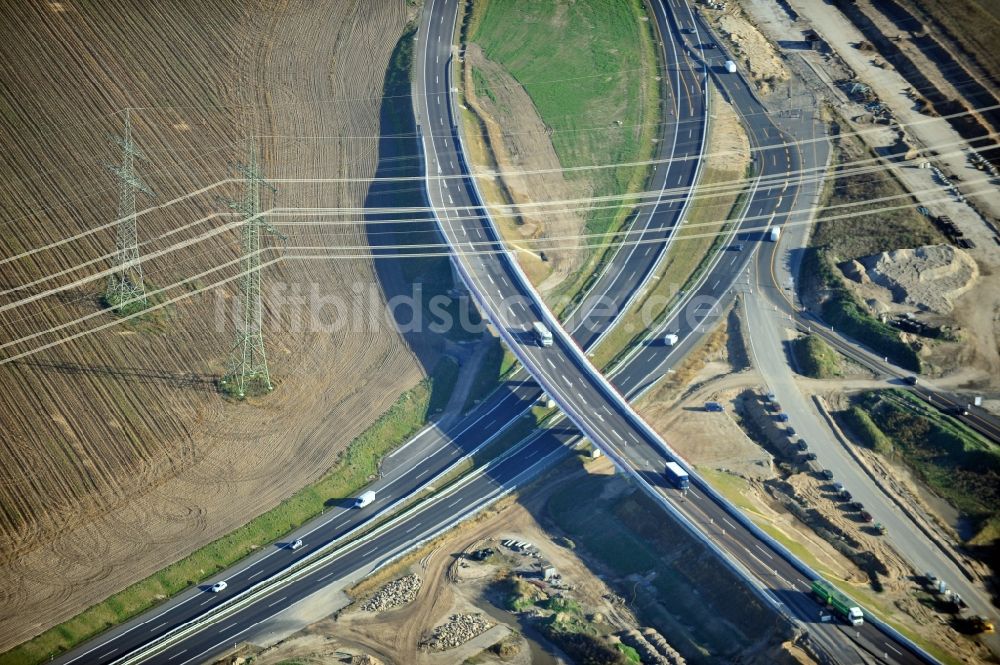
(117, 455)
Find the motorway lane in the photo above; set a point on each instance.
(632, 266)
(523, 308)
(433, 450)
(561, 368)
(653, 463)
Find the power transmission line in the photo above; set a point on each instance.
(247, 366)
(125, 284)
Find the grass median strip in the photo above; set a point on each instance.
(700, 235)
(357, 465)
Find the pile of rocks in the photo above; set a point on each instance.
(460, 629)
(394, 594)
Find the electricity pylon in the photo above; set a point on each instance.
(247, 364)
(125, 285)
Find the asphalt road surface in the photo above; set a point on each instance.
(563, 372)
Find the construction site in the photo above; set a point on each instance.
(225, 228)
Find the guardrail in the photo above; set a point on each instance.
(600, 382)
(640, 289)
(579, 360)
(319, 558)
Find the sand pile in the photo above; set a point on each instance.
(929, 278)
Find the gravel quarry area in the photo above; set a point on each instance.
(927, 278)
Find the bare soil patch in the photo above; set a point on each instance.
(749, 46)
(118, 455)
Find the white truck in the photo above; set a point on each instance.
(730, 66)
(670, 339)
(774, 234)
(542, 333)
(365, 499)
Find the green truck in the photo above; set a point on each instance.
(838, 602)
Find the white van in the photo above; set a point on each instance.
(365, 499)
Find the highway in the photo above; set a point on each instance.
(407, 471)
(596, 408)
(563, 371)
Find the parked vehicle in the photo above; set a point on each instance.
(866, 516)
(856, 506)
(838, 602)
(365, 499)
(542, 333)
(802, 445)
(789, 432)
(827, 474)
(810, 456)
(677, 476)
(782, 417)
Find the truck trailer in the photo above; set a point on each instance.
(838, 602)
(730, 66)
(677, 476)
(774, 234)
(542, 333)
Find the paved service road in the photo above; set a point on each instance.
(408, 470)
(562, 366)
(562, 369)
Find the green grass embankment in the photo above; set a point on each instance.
(815, 358)
(845, 314)
(353, 470)
(595, 88)
(357, 464)
(954, 461)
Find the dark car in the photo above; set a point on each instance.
(856, 506)
(810, 456)
(827, 474)
(845, 495)
(782, 417)
(789, 432)
(910, 380)
(957, 411)
(866, 516)
(802, 445)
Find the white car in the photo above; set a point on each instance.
(295, 544)
(218, 586)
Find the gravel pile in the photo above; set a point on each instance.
(394, 594)
(460, 629)
(928, 278)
